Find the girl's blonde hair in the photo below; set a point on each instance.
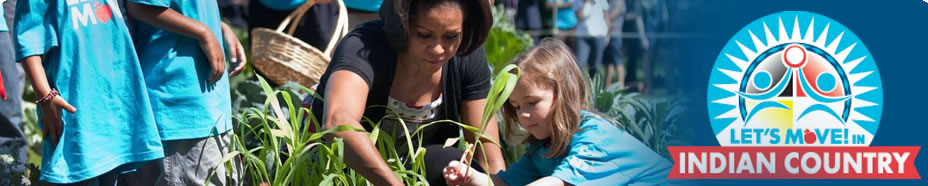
(552, 64)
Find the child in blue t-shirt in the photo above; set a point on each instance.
(568, 144)
(566, 16)
(80, 59)
(181, 45)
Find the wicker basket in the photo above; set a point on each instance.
(282, 57)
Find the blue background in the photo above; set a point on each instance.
(895, 32)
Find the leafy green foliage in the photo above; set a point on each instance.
(274, 145)
(505, 42)
(502, 88)
(503, 45)
(653, 120)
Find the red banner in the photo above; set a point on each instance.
(708, 162)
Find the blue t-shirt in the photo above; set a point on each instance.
(365, 5)
(566, 17)
(600, 154)
(282, 5)
(89, 57)
(186, 104)
(2, 20)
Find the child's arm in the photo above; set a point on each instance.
(236, 50)
(51, 110)
(172, 21)
(454, 175)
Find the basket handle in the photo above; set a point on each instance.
(295, 16)
(341, 28)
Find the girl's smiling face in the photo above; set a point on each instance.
(533, 104)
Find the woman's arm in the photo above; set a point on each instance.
(344, 104)
(471, 113)
(173, 21)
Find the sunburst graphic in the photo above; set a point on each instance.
(817, 79)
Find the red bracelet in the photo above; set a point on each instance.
(48, 97)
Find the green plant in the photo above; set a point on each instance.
(603, 97)
(285, 152)
(502, 87)
(653, 120)
(12, 169)
(505, 42)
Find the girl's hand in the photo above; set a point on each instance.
(236, 50)
(455, 172)
(51, 109)
(51, 118)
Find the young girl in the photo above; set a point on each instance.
(94, 109)
(568, 144)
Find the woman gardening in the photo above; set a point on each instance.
(424, 61)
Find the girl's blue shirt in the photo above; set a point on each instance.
(89, 57)
(601, 153)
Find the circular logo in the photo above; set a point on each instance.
(813, 83)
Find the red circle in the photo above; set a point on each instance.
(791, 64)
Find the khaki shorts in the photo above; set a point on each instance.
(188, 162)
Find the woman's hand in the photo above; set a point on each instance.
(51, 118)
(236, 50)
(346, 95)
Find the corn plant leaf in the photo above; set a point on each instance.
(275, 106)
(339, 128)
(450, 141)
(499, 93)
(278, 133)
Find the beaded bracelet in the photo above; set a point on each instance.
(48, 97)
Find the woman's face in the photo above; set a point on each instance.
(533, 107)
(435, 35)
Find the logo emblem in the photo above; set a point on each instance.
(812, 83)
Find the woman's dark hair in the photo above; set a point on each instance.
(396, 15)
